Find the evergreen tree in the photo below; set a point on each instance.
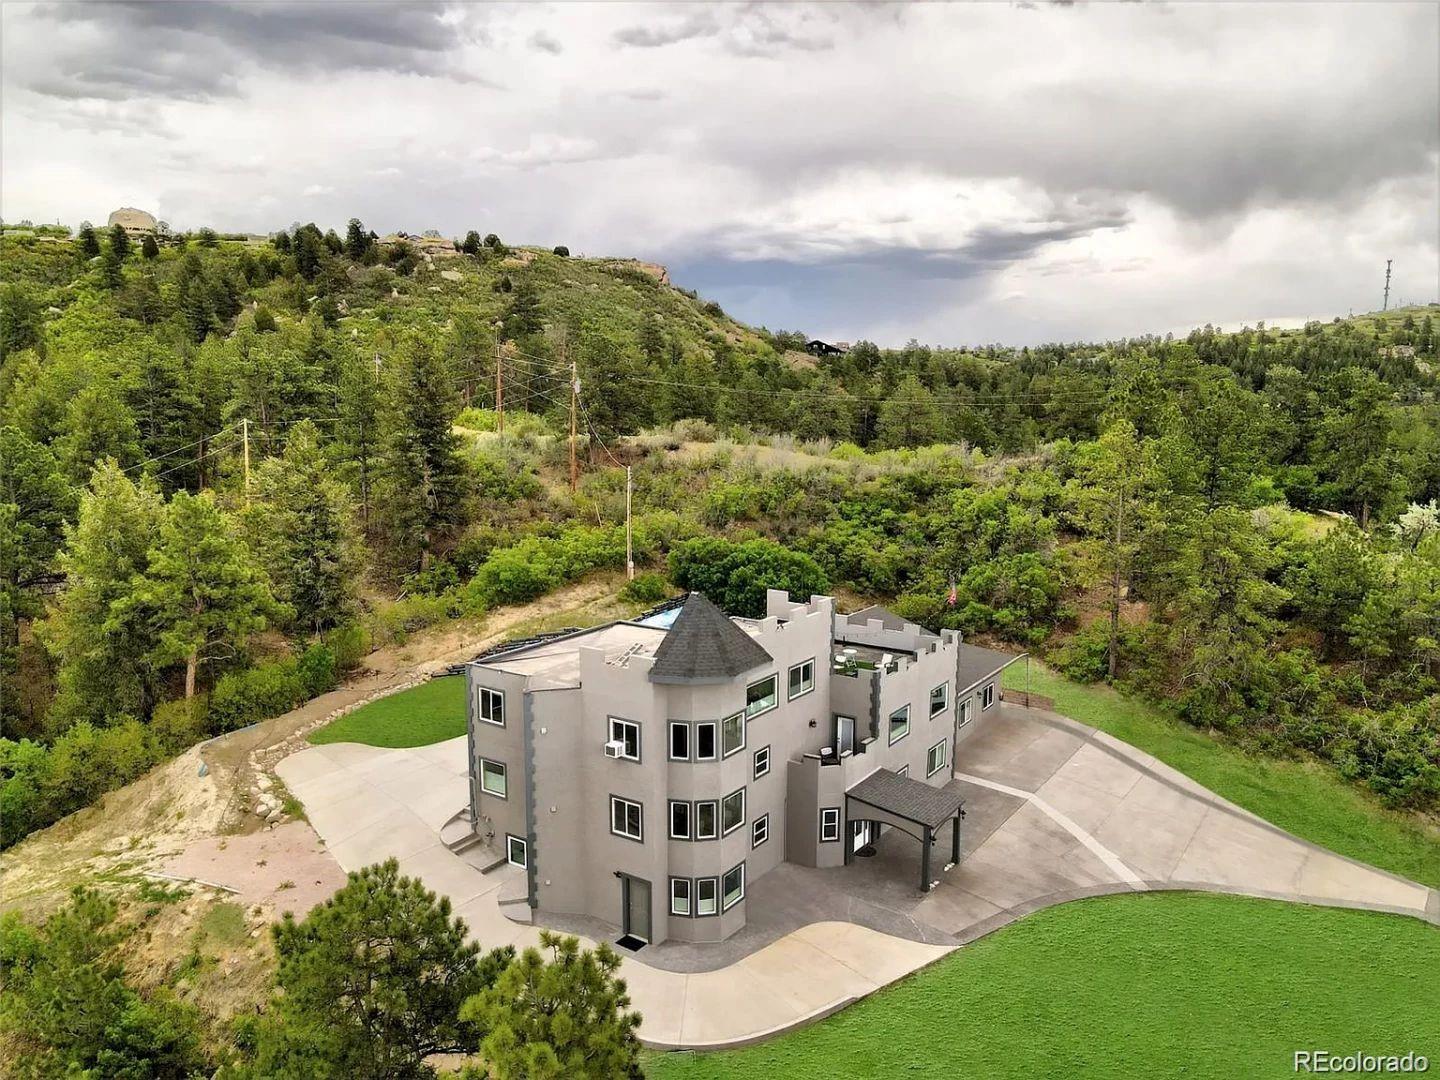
(70, 1011)
(358, 431)
(471, 244)
(208, 238)
(522, 318)
(149, 248)
(119, 241)
(281, 240)
(909, 417)
(565, 1017)
(20, 321)
(309, 248)
(112, 269)
(97, 425)
(103, 669)
(425, 482)
(372, 983)
(88, 241)
(1355, 440)
(301, 527)
(201, 595)
(357, 240)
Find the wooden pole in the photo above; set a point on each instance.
(574, 405)
(629, 542)
(245, 435)
(499, 387)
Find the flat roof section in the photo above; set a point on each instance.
(977, 664)
(552, 664)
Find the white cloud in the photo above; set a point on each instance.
(959, 173)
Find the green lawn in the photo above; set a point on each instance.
(1161, 984)
(1306, 798)
(429, 713)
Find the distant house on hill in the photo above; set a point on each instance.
(135, 222)
(824, 348)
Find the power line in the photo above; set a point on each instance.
(195, 461)
(179, 449)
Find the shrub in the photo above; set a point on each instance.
(317, 670)
(181, 723)
(350, 644)
(736, 575)
(561, 250)
(647, 588)
(245, 697)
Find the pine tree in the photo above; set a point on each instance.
(909, 417)
(301, 527)
(112, 269)
(119, 241)
(372, 983)
(149, 248)
(88, 241)
(566, 1016)
(358, 432)
(97, 425)
(425, 481)
(201, 594)
(103, 669)
(357, 240)
(471, 244)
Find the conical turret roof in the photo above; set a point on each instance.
(705, 646)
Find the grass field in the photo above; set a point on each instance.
(429, 713)
(1172, 984)
(1306, 798)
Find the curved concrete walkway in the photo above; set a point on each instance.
(1056, 811)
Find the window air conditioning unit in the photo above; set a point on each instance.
(615, 748)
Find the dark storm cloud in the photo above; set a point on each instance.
(198, 51)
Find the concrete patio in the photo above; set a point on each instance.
(1055, 811)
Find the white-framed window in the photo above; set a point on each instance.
(492, 778)
(732, 734)
(732, 887)
(706, 748)
(987, 697)
(899, 724)
(707, 819)
(762, 762)
(492, 706)
(732, 812)
(904, 770)
(627, 818)
(802, 679)
(679, 820)
(829, 824)
(935, 758)
(939, 698)
(760, 830)
(707, 895)
(679, 896)
(966, 712)
(516, 851)
(627, 734)
(761, 696)
(679, 741)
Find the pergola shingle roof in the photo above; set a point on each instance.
(909, 799)
(704, 646)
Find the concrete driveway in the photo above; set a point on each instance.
(1055, 811)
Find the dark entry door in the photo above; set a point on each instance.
(636, 897)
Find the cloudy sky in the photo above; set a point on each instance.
(956, 173)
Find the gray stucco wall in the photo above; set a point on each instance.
(577, 862)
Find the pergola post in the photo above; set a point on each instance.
(955, 840)
(929, 836)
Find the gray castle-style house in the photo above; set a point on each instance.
(645, 773)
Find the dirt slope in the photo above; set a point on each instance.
(204, 793)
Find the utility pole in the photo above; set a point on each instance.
(499, 386)
(629, 542)
(1386, 305)
(574, 406)
(245, 435)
